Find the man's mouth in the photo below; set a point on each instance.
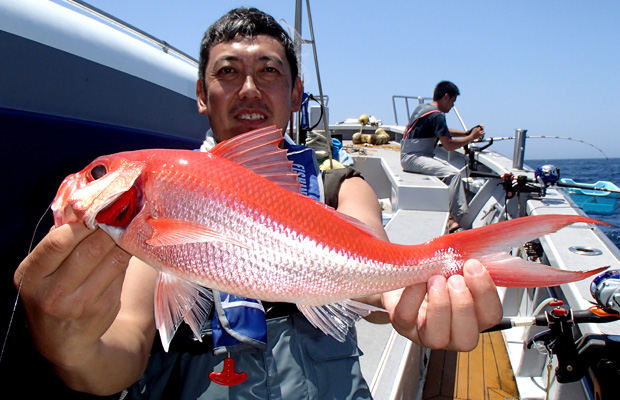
(251, 117)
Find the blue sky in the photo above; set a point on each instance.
(550, 67)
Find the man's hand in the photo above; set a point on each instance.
(446, 314)
(71, 289)
(477, 132)
(89, 306)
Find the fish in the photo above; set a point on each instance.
(234, 220)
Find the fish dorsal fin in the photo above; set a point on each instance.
(171, 232)
(335, 319)
(258, 151)
(177, 300)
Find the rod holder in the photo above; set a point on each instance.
(518, 156)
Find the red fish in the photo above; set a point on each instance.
(233, 220)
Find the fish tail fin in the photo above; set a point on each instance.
(516, 272)
(491, 245)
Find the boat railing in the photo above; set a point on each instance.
(124, 26)
(420, 100)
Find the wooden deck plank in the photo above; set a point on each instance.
(482, 374)
(491, 367)
(477, 388)
(506, 375)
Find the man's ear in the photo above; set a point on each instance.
(201, 98)
(296, 95)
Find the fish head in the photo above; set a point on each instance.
(103, 192)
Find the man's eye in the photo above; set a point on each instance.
(226, 70)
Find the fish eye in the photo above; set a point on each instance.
(98, 171)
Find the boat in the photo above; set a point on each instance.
(599, 198)
(499, 188)
(74, 85)
(96, 73)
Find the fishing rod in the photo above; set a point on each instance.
(540, 137)
(492, 139)
(576, 355)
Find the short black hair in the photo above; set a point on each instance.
(245, 22)
(445, 87)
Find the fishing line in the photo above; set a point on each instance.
(19, 288)
(557, 137)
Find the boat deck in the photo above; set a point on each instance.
(419, 213)
(484, 373)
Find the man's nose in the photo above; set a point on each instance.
(249, 89)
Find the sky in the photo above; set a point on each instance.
(550, 67)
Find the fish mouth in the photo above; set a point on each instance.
(121, 211)
(61, 208)
(67, 209)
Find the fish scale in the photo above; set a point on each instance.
(271, 241)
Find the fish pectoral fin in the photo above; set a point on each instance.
(336, 318)
(177, 300)
(169, 232)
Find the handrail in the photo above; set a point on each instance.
(166, 48)
(420, 100)
(407, 98)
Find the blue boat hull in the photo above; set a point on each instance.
(592, 198)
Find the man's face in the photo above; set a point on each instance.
(446, 103)
(248, 86)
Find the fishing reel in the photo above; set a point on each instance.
(596, 355)
(520, 184)
(605, 289)
(547, 174)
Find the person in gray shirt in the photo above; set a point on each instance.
(426, 128)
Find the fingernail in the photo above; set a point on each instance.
(457, 282)
(474, 268)
(437, 282)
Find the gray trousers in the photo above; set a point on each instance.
(447, 172)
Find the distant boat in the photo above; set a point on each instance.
(594, 198)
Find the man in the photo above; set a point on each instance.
(90, 304)
(426, 127)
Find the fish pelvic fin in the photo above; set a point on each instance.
(335, 319)
(169, 232)
(259, 151)
(177, 300)
(491, 245)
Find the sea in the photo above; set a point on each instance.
(590, 170)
